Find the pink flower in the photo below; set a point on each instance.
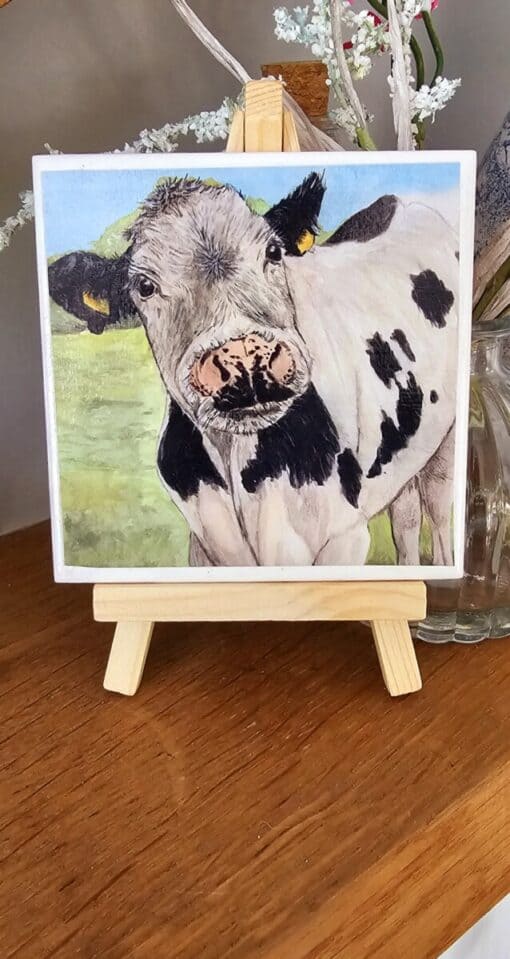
(433, 5)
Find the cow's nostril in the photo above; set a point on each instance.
(225, 375)
(282, 366)
(209, 374)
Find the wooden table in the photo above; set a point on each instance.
(262, 796)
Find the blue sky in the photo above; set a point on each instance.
(79, 205)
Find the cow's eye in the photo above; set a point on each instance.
(273, 252)
(146, 287)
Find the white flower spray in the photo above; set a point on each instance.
(13, 223)
(427, 101)
(386, 28)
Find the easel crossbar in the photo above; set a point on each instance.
(288, 601)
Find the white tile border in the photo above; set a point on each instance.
(81, 574)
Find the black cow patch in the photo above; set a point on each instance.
(368, 223)
(400, 338)
(433, 396)
(391, 443)
(432, 297)
(349, 472)
(183, 460)
(266, 388)
(304, 443)
(409, 406)
(395, 438)
(382, 359)
(79, 279)
(297, 213)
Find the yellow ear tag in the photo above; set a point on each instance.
(99, 306)
(306, 241)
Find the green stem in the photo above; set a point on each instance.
(364, 139)
(379, 7)
(436, 46)
(498, 280)
(420, 136)
(419, 61)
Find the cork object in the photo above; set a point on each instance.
(305, 81)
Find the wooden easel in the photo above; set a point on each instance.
(264, 125)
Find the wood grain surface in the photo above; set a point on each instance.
(178, 602)
(261, 796)
(263, 121)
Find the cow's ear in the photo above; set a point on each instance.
(91, 287)
(295, 219)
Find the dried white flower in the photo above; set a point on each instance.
(50, 150)
(12, 223)
(206, 126)
(427, 101)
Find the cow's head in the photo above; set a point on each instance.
(207, 278)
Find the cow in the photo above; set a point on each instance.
(310, 386)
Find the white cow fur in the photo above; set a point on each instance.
(342, 295)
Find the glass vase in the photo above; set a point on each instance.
(478, 606)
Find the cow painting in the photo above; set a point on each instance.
(310, 386)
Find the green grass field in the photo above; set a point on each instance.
(110, 405)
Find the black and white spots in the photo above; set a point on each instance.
(396, 436)
(409, 407)
(382, 359)
(400, 338)
(303, 444)
(391, 443)
(433, 396)
(350, 473)
(432, 297)
(183, 461)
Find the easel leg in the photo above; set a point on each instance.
(129, 650)
(397, 656)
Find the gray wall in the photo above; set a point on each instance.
(87, 76)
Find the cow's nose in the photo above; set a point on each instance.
(245, 371)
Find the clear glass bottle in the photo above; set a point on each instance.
(478, 606)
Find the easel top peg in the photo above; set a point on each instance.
(264, 125)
